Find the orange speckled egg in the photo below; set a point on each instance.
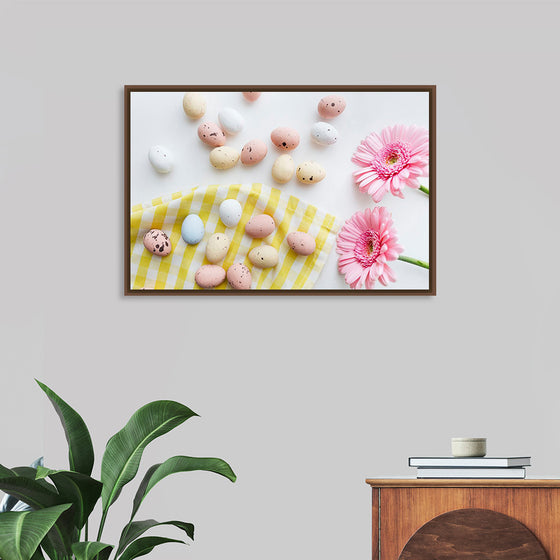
(157, 242)
(260, 226)
(301, 243)
(253, 152)
(285, 138)
(331, 106)
(239, 277)
(251, 95)
(211, 134)
(210, 276)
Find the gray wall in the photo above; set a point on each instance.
(331, 390)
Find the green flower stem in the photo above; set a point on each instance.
(424, 189)
(417, 262)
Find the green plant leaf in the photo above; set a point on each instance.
(80, 448)
(176, 465)
(22, 532)
(142, 546)
(90, 549)
(124, 450)
(133, 530)
(79, 489)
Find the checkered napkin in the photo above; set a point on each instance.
(176, 271)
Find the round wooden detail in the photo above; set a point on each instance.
(469, 534)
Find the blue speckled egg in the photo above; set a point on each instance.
(192, 230)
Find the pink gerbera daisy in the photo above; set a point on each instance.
(394, 158)
(365, 243)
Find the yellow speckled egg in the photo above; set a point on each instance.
(283, 169)
(194, 104)
(264, 256)
(310, 172)
(224, 157)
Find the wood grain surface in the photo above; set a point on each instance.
(468, 534)
(404, 510)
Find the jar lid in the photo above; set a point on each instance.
(477, 439)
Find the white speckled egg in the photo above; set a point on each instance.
(157, 242)
(260, 226)
(194, 104)
(264, 256)
(283, 169)
(239, 277)
(192, 229)
(210, 276)
(224, 157)
(230, 212)
(231, 121)
(301, 243)
(310, 172)
(211, 134)
(331, 106)
(217, 247)
(253, 152)
(161, 159)
(324, 133)
(251, 95)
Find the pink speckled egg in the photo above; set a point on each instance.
(285, 138)
(331, 106)
(253, 152)
(239, 277)
(301, 243)
(251, 95)
(260, 226)
(157, 242)
(211, 134)
(210, 276)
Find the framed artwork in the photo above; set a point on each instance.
(280, 190)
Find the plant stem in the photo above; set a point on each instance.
(101, 525)
(417, 262)
(424, 189)
(86, 530)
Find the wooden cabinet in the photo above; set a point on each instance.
(408, 516)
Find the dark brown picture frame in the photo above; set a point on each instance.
(430, 89)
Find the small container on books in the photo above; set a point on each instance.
(468, 447)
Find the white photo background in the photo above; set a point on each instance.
(158, 118)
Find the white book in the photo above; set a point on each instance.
(469, 461)
(478, 472)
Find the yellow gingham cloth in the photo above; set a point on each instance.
(176, 271)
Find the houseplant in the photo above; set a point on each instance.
(63, 500)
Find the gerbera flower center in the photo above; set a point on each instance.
(367, 248)
(391, 159)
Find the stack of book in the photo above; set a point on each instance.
(470, 467)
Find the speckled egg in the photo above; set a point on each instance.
(210, 276)
(264, 256)
(157, 242)
(217, 247)
(251, 95)
(192, 229)
(324, 133)
(260, 226)
(230, 212)
(283, 169)
(231, 120)
(239, 277)
(194, 104)
(301, 243)
(161, 159)
(285, 138)
(211, 134)
(224, 157)
(253, 152)
(331, 106)
(310, 172)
